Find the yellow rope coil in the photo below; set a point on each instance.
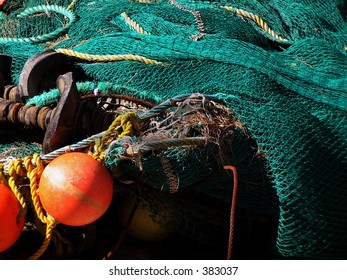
(108, 58)
(31, 167)
(258, 20)
(129, 125)
(134, 24)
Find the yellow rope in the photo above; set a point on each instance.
(34, 174)
(258, 20)
(31, 167)
(109, 57)
(72, 4)
(134, 24)
(129, 126)
(34, 168)
(15, 171)
(50, 225)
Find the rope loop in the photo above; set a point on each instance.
(31, 167)
(22, 202)
(45, 37)
(35, 168)
(33, 176)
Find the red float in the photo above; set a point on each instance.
(10, 228)
(75, 189)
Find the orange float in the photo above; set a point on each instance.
(75, 189)
(10, 227)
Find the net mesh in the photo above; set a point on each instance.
(290, 94)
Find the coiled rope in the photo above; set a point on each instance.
(30, 167)
(49, 36)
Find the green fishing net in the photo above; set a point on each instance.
(279, 66)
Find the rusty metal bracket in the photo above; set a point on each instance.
(40, 73)
(58, 122)
(74, 117)
(60, 130)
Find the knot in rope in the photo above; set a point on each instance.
(129, 124)
(15, 169)
(33, 162)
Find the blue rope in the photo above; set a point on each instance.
(153, 112)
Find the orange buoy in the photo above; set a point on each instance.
(75, 189)
(10, 227)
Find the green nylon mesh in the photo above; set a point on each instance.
(18, 142)
(291, 95)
